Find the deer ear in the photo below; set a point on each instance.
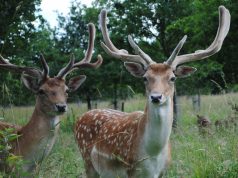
(184, 71)
(75, 82)
(135, 69)
(32, 83)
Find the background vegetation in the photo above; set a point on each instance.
(156, 25)
(213, 154)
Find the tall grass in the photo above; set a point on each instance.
(193, 155)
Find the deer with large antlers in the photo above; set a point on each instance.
(119, 144)
(37, 137)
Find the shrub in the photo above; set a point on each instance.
(10, 164)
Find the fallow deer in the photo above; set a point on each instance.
(119, 144)
(204, 125)
(38, 136)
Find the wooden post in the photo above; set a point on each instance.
(88, 98)
(115, 104)
(122, 106)
(196, 100)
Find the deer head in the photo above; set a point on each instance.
(52, 92)
(160, 77)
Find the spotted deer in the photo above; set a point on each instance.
(38, 136)
(119, 144)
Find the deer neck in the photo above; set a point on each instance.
(37, 136)
(41, 123)
(156, 125)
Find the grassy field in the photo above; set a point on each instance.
(193, 155)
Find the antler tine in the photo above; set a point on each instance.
(64, 71)
(45, 67)
(121, 54)
(138, 51)
(89, 65)
(89, 52)
(4, 64)
(106, 38)
(85, 63)
(224, 26)
(223, 15)
(123, 57)
(176, 51)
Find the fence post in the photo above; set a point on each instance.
(122, 106)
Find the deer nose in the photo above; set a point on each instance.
(156, 98)
(61, 107)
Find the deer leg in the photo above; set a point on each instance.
(90, 171)
(130, 173)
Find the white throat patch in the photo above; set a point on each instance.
(158, 128)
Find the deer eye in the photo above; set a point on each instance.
(67, 92)
(53, 93)
(172, 79)
(41, 92)
(145, 79)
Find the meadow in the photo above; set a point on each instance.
(214, 154)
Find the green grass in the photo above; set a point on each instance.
(214, 155)
(198, 156)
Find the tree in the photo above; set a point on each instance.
(26, 34)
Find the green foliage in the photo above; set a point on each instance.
(156, 27)
(64, 160)
(196, 156)
(227, 169)
(9, 163)
(67, 124)
(234, 88)
(71, 35)
(16, 37)
(16, 22)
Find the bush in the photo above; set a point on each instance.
(10, 164)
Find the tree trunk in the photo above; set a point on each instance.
(115, 104)
(196, 99)
(122, 106)
(88, 98)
